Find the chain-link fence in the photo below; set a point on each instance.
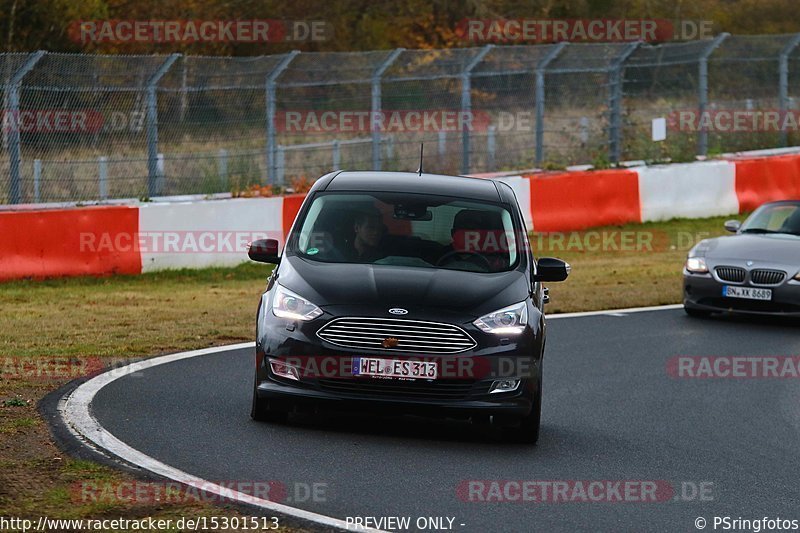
(86, 127)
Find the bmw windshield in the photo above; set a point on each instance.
(781, 217)
(402, 229)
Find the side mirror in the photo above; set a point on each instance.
(264, 251)
(733, 225)
(551, 269)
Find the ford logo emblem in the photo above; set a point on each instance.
(398, 311)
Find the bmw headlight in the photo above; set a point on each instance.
(696, 265)
(509, 320)
(286, 304)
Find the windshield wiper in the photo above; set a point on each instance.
(763, 230)
(759, 230)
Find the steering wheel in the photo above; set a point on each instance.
(446, 258)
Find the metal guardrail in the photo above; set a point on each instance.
(80, 127)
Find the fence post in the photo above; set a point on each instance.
(184, 93)
(161, 173)
(37, 178)
(615, 101)
(337, 155)
(102, 177)
(783, 82)
(491, 145)
(152, 125)
(14, 149)
(539, 96)
(702, 96)
(222, 166)
(389, 146)
(375, 107)
(271, 88)
(583, 130)
(466, 106)
(280, 163)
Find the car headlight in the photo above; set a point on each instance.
(797, 276)
(286, 304)
(509, 320)
(696, 265)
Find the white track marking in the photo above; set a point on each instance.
(76, 413)
(616, 312)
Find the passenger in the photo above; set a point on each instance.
(367, 245)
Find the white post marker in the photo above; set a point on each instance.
(659, 129)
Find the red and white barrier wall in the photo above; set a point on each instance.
(199, 234)
(691, 190)
(108, 240)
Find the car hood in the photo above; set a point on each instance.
(767, 248)
(384, 286)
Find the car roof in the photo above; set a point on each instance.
(412, 182)
(777, 202)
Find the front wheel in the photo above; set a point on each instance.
(527, 430)
(262, 410)
(696, 313)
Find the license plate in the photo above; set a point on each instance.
(748, 293)
(394, 368)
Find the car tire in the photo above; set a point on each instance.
(696, 313)
(262, 410)
(527, 429)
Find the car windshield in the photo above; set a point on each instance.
(774, 218)
(404, 229)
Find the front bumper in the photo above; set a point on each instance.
(704, 292)
(462, 388)
(518, 403)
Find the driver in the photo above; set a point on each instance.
(792, 223)
(369, 231)
(470, 240)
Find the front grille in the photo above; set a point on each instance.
(392, 388)
(732, 274)
(767, 277)
(411, 335)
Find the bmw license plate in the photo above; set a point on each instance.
(394, 368)
(748, 293)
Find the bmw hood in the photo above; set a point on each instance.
(766, 248)
(336, 284)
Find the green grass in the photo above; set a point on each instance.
(636, 277)
(126, 316)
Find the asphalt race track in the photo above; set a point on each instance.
(611, 412)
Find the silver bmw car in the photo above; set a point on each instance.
(756, 270)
